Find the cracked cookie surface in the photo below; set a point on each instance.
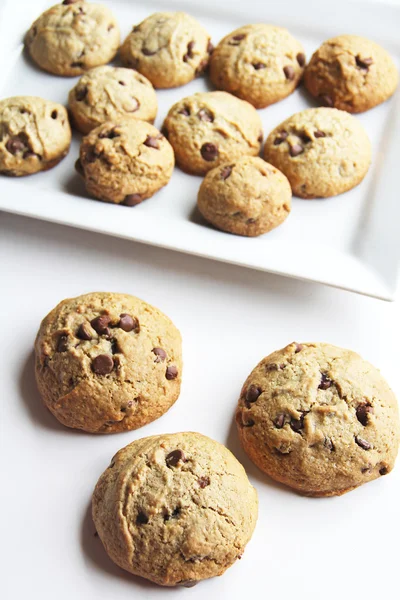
(72, 37)
(258, 63)
(34, 135)
(248, 197)
(175, 508)
(322, 151)
(107, 362)
(170, 49)
(351, 73)
(125, 161)
(319, 418)
(108, 93)
(211, 128)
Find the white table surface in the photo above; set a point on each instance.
(229, 318)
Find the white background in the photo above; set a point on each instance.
(229, 318)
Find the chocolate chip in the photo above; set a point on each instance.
(152, 142)
(209, 152)
(78, 64)
(253, 392)
(67, 2)
(142, 518)
(203, 481)
(234, 41)
(362, 411)
(115, 349)
(62, 343)
(249, 423)
(54, 114)
(319, 134)
(84, 332)
(383, 471)
(301, 59)
(91, 155)
(298, 424)
(171, 373)
(132, 200)
(289, 72)
(210, 47)
(127, 323)
(103, 364)
(100, 324)
(15, 145)
(327, 100)
(185, 111)
(363, 443)
(325, 382)
(295, 150)
(160, 353)
(121, 82)
(329, 444)
(364, 63)
(189, 583)
(79, 167)
(30, 154)
(173, 458)
(189, 53)
(305, 138)
(225, 172)
(366, 469)
(81, 93)
(281, 137)
(205, 115)
(147, 52)
(259, 65)
(251, 221)
(260, 137)
(298, 348)
(110, 134)
(280, 421)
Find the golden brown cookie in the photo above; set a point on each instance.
(107, 362)
(35, 135)
(319, 418)
(125, 161)
(209, 129)
(108, 93)
(247, 196)
(72, 37)
(258, 63)
(322, 151)
(169, 48)
(175, 508)
(351, 73)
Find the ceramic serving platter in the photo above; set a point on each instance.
(350, 241)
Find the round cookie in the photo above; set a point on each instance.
(248, 197)
(319, 419)
(322, 151)
(35, 135)
(107, 362)
(170, 49)
(259, 63)
(211, 128)
(125, 161)
(351, 73)
(175, 508)
(72, 37)
(109, 93)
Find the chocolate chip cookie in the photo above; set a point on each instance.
(175, 508)
(319, 418)
(322, 151)
(72, 37)
(106, 93)
(351, 73)
(169, 48)
(209, 129)
(259, 63)
(107, 362)
(125, 161)
(248, 197)
(34, 135)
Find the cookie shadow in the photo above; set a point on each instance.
(307, 97)
(75, 186)
(233, 443)
(95, 553)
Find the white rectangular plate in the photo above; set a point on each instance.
(350, 241)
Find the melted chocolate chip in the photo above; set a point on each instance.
(362, 411)
(383, 471)
(91, 155)
(305, 138)
(363, 443)
(364, 63)
(110, 134)
(189, 583)
(172, 459)
(203, 481)
(54, 114)
(205, 115)
(234, 41)
(100, 324)
(319, 134)
(209, 152)
(259, 65)
(142, 518)
(280, 420)
(148, 52)
(289, 72)
(152, 142)
(77, 64)
(298, 424)
(295, 150)
(15, 145)
(67, 2)
(128, 323)
(84, 332)
(160, 353)
(189, 53)
(281, 137)
(329, 444)
(62, 344)
(121, 82)
(185, 111)
(132, 200)
(225, 172)
(301, 59)
(253, 392)
(102, 364)
(298, 348)
(171, 373)
(326, 99)
(325, 382)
